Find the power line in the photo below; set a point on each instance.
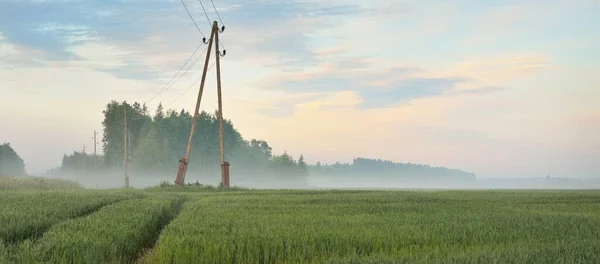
(164, 88)
(189, 67)
(205, 14)
(169, 83)
(219, 16)
(190, 87)
(192, 18)
(208, 19)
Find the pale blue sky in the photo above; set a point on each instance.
(499, 88)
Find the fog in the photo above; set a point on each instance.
(319, 181)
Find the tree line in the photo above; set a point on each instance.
(377, 168)
(156, 142)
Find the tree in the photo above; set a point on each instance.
(263, 146)
(11, 164)
(152, 152)
(160, 114)
(112, 138)
(156, 143)
(78, 161)
(285, 165)
(302, 166)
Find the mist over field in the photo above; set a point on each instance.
(155, 142)
(319, 181)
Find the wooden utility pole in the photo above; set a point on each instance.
(125, 143)
(224, 165)
(183, 162)
(214, 38)
(95, 158)
(83, 158)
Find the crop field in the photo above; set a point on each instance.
(36, 183)
(29, 214)
(300, 227)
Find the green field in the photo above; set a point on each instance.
(211, 226)
(35, 183)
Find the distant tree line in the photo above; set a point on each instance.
(157, 142)
(11, 164)
(364, 167)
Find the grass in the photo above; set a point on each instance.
(343, 227)
(3, 253)
(191, 187)
(256, 226)
(36, 183)
(114, 234)
(28, 214)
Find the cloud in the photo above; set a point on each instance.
(275, 34)
(46, 30)
(404, 90)
(285, 38)
(12, 56)
(340, 74)
(502, 63)
(105, 56)
(282, 107)
(482, 90)
(134, 70)
(516, 18)
(378, 88)
(53, 28)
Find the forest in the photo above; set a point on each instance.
(156, 142)
(365, 167)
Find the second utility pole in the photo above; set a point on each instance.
(95, 158)
(125, 143)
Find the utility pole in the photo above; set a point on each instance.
(83, 158)
(214, 38)
(224, 164)
(183, 162)
(95, 158)
(125, 143)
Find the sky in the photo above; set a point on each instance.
(499, 88)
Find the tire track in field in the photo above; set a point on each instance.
(37, 234)
(8, 253)
(149, 248)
